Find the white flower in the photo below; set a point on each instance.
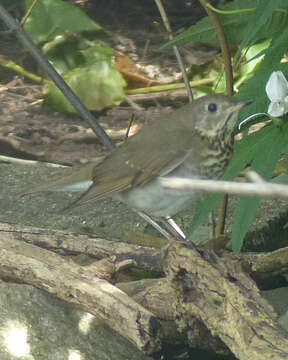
(277, 92)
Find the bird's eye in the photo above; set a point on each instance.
(212, 107)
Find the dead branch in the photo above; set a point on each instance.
(66, 243)
(48, 271)
(226, 300)
(204, 296)
(262, 263)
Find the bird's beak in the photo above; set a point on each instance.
(238, 105)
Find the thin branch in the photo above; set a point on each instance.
(175, 48)
(29, 12)
(263, 189)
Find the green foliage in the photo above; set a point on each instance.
(261, 22)
(262, 150)
(236, 25)
(255, 87)
(96, 86)
(261, 30)
(86, 65)
(50, 18)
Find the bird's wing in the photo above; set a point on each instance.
(127, 167)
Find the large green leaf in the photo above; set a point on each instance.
(246, 150)
(86, 65)
(52, 17)
(268, 152)
(255, 87)
(262, 18)
(235, 25)
(98, 86)
(244, 214)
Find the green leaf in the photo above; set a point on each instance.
(252, 58)
(255, 87)
(52, 17)
(235, 25)
(244, 214)
(66, 55)
(260, 18)
(86, 65)
(247, 149)
(98, 86)
(204, 30)
(264, 162)
(281, 179)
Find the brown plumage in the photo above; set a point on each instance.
(193, 141)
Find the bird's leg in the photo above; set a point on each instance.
(175, 227)
(165, 228)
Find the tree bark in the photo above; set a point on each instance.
(227, 301)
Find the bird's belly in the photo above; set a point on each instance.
(158, 201)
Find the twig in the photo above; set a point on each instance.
(9, 64)
(68, 243)
(131, 120)
(28, 13)
(175, 48)
(263, 189)
(12, 160)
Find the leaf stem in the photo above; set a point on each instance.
(237, 11)
(9, 64)
(229, 12)
(169, 86)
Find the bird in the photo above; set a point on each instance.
(193, 141)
